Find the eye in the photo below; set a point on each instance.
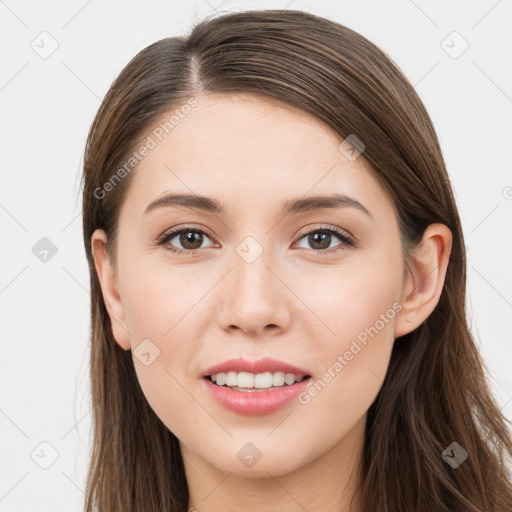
(190, 238)
(321, 239)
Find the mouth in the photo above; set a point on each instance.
(250, 382)
(254, 394)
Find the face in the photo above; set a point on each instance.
(317, 286)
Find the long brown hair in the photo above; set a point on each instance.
(435, 392)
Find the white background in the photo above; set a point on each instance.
(47, 106)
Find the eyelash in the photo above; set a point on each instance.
(345, 238)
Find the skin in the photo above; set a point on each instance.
(292, 303)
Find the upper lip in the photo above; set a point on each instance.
(266, 364)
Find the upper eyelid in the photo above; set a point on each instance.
(189, 227)
(333, 229)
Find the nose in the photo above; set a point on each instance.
(254, 298)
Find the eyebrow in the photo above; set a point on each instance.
(211, 205)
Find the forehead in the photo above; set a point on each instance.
(242, 149)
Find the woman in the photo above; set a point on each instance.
(278, 284)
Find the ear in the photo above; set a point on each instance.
(424, 278)
(108, 282)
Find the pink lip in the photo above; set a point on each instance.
(266, 364)
(253, 403)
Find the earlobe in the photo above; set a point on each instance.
(108, 282)
(425, 278)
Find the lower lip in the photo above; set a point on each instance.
(254, 403)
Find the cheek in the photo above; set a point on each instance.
(166, 307)
(160, 300)
(357, 307)
(161, 309)
(351, 298)
(169, 395)
(160, 314)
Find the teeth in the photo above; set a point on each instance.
(278, 379)
(265, 380)
(231, 379)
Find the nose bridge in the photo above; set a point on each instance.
(251, 275)
(253, 297)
